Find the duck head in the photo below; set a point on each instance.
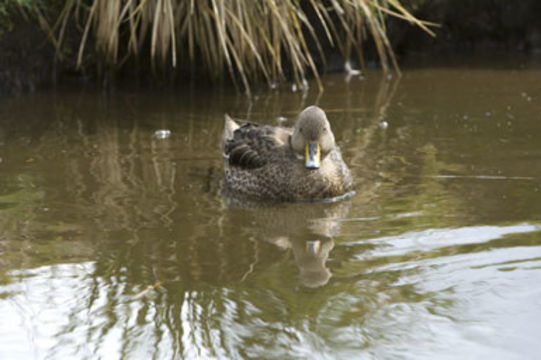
(312, 137)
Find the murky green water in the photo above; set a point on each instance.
(117, 244)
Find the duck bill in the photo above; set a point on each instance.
(312, 156)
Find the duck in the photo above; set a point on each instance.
(284, 164)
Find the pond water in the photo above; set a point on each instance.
(115, 242)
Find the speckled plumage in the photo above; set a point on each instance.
(261, 164)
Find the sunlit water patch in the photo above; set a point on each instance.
(456, 293)
(452, 293)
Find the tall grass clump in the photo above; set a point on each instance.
(250, 39)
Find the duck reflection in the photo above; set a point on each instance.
(311, 259)
(306, 229)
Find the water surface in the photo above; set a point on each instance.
(116, 243)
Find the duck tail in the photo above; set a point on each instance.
(229, 128)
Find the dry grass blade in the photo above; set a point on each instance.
(146, 291)
(63, 20)
(249, 41)
(396, 4)
(85, 33)
(173, 39)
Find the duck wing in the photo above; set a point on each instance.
(252, 146)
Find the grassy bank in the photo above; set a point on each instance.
(251, 41)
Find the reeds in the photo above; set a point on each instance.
(250, 39)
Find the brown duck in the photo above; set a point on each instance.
(264, 162)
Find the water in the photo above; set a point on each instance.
(115, 242)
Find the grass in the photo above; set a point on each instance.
(252, 40)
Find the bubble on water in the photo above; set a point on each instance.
(162, 134)
(383, 125)
(488, 113)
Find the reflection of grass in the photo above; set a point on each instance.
(250, 39)
(17, 213)
(18, 207)
(25, 237)
(28, 192)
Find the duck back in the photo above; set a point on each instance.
(259, 164)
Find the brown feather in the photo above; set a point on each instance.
(250, 146)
